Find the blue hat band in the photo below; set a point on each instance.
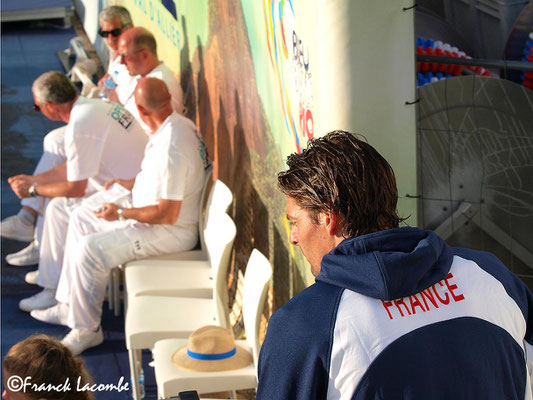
(211, 357)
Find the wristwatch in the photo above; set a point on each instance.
(120, 214)
(31, 190)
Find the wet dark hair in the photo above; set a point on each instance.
(341, 174)
(48, 362)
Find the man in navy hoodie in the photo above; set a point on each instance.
(395, 313)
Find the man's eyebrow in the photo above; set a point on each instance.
(289, 218)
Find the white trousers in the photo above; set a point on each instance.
(52, 244)
(54, 236)
(95, 246)
(53, 155)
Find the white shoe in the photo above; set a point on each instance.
(14, 228)
(27, 256)
(57, 314)
(31, 277)
(39, 301)
(79, 340)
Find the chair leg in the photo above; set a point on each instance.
(125, 300)
(135, 356)
(110, 288)
(116, 291)
(122, 268)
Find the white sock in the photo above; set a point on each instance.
(26, 217)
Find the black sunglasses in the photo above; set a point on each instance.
(115, 32)
(36, 107)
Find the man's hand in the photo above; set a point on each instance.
(127, 183)
(109, 212)
(20, 184)
(110, 182)
(102, 80)
(113, 96)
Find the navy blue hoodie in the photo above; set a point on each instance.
(398, 314)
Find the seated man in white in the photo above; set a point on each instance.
(137, 50)
(102, 141)
(113, 21)
(162, 218)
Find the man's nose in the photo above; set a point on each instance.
(293, 238)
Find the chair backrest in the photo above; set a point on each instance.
(219, 237)
(256, 278)
(218, 201)
(83, 72)
(203, 201)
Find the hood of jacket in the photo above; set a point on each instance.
(389, 264)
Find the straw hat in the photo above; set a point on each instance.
(211, 348)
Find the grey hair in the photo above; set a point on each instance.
(107, 14)
(54, 87)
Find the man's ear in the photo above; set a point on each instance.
(331, 223)
(142, 110)
(144, 53)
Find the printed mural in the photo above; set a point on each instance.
(249, 74)
(289, 57)
(208, 47)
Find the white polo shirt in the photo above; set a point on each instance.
(102, 141)
(173, 168)
(166, 75)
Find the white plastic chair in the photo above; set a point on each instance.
(219, 199)
(164, 276)
(113, 286)
(142, 276)
(152, 318)
(83, 72)
(171, 380)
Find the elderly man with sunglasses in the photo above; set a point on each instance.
(103, 141)
(113, 21)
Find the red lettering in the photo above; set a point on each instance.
(387, 304)
(446, 300)
(451, 288)
(398, 303)
(449, 292)
(415, 303)
(427, 294)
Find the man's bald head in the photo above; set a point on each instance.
(153, 102)
(139, 38)
(138, 51)
(152, 94)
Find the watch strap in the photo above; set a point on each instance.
(120, 213)
(32, 191)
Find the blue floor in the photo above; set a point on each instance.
(29, 50)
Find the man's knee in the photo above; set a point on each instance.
(79, 214)
(56, 205)
(54, 141)
(82, 220)
(91, 252)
